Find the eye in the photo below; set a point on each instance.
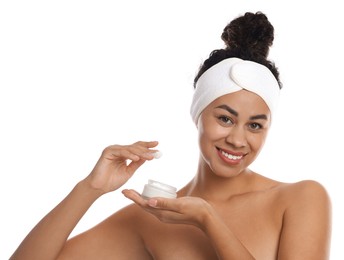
(255, 126)
(225, 119)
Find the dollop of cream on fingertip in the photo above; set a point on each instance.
(157, 154)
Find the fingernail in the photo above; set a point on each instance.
(153, 202)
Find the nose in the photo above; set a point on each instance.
(236, 137)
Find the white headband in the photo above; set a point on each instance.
(231, 75)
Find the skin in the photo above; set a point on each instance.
(226, 211)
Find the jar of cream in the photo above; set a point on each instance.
(158, 189)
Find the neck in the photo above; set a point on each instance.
(207, 185)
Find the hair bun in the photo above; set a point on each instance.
(250, 32)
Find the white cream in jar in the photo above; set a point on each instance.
(158, 189)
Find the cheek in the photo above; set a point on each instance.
(204, 137)
(257, 142)
(208, 135)
(211, 132)
(205, 145)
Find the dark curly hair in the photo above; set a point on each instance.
(248, 37)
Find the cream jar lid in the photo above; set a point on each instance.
(158, 189)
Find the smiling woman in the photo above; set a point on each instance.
(245, 129)
(226, 208)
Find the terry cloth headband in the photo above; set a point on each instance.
(231, 75)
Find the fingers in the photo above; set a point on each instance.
(118, 163)
(134, 165)
(134, 152)
(166, 210)
(135, 197)
(157, 203)
(151, 144)
(166, 204)
(148, 205)
(183, 210)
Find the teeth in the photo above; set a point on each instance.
(230, 156)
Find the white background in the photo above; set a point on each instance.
(76, 76)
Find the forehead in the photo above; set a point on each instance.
(242, 101)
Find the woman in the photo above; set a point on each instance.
(226, 211)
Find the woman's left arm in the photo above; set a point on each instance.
(306, 232)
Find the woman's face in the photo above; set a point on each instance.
(232, 130)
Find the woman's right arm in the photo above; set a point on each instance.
(47, 239)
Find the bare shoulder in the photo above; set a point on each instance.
(131, 218)
(110, 237)
(128, 213)
(294, 193)
(305, 191)
(127, 221)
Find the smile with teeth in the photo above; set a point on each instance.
(230, 156)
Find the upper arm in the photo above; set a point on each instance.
(115, 237)
(306, 227)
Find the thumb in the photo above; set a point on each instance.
(134, 165)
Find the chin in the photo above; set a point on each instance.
(227, 172)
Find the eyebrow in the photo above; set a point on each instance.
(235, 113)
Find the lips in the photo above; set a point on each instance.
(230, 157)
